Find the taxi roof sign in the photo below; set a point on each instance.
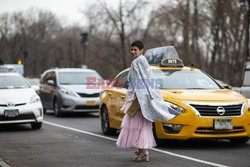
(171, 62)
(156, 55)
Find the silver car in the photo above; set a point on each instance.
(66, 90)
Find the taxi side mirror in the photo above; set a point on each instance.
(227, 87)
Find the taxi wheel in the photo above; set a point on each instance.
(239, 140)
(57, 111)
(105, 122)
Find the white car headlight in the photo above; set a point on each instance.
(35, 99)
(68, 92)
(175, 109)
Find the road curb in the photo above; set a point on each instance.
(3, 164)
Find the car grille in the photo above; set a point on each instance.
(207, 110)
(81, 107)
(18, 104)
(208, 130)
(19, 117)
(89, 95)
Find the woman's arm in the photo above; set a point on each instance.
(145, 74)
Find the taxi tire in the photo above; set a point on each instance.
(242, 140)
(57, 111)
(106, 130)
(36, 125)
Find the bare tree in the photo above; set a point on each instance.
(209, 34)
(111, 31)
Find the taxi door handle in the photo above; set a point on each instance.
(123, 97)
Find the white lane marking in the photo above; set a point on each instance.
(3, 164)
(188, 158)
(155, 149)
(81, 131)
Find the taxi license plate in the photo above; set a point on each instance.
(11, 113)
(90, 103)
(223, 124)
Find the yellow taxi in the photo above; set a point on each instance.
(209, 111)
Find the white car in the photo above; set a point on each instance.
(3, 69)
(19, 102)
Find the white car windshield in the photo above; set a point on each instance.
(33, 81)
(3, 69)
(184, 79)
(77, 78)
(13, 82)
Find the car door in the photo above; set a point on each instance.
(44, 90)
(245, 89)
(51, 89)
(47, 90)
(117, 98)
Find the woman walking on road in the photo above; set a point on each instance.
(136, 130)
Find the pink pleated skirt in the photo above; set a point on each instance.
(136, 132)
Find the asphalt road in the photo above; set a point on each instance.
(76, 140)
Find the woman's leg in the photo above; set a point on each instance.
(146, 155)
(137, 153)
(143, 155)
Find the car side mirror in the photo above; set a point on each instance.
(51, 82)
(227, 87)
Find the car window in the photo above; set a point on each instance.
(49, 76)
(52, 77)
(121, 80)
(33, 81)
(77, 78)
(44, 78)
(183, 79)
(13, 82)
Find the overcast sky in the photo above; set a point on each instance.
(66, 10)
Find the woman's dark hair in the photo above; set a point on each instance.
(138, 44)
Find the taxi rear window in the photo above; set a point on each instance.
(183, 79)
